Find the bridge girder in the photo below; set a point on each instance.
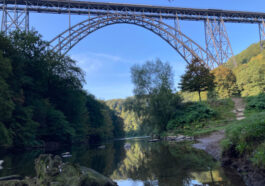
(103, 8)
(186, 47)
(15, 15)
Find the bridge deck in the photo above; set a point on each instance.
(98, 8)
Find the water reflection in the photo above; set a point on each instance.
(134, 163)
(169, 164)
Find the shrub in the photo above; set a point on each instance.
(191, 113)
(256, 103)
(247, 134)
(259, 156)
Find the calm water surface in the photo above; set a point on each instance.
(138, 163)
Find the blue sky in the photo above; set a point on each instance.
(107, 54)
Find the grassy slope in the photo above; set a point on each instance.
(247, 137)
(224, 116)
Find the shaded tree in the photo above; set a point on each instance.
(197, 78)
(42, 98)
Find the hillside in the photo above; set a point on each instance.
(250, 70)
(131, 123)
(247, 78)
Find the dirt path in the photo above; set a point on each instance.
(239, 108)
(211, 143)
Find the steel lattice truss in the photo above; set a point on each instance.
(15, 15)
(217, 41)
(187, 48)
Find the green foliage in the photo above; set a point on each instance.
(249, 70)
(5, 138)
(190, 115)
(132, 124)
(245, 135)
(259, 156)
(197, 78)
(245, 77)
(154, 101)
(41, 97)
(256, 103)
(250, 76)
(225, 82)
(245, 56)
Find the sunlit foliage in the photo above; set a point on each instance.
(225, 82)
(197, 78)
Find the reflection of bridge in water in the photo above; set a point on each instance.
(15, 15)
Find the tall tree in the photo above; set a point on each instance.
(197, 78)
(154, 100)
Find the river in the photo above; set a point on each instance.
(135, 162)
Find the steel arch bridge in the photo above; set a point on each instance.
(15, 15)
(186, 47)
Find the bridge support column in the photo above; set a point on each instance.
(13, 19)
(217, 41)
(262, 35)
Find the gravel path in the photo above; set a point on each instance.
(211, 143)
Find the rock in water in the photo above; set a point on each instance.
(127, 146)
(52, 170)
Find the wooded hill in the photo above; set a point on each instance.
(245, 77)
(42, 100)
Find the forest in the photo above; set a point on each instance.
(42, 100)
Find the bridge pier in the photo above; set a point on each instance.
(217, 41)
(262, 34)
(14, 18)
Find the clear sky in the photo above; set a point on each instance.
(107, 54)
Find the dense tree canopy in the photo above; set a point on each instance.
(42, 100)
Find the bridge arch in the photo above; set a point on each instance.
(186, 47)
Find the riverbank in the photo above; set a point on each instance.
(242, 159)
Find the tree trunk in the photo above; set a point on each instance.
(200, 95)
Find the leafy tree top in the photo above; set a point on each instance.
(197, 78)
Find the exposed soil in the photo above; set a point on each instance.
(211, 144)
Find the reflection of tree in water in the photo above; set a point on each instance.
(102, 160)
(19, 162)
(164, 164)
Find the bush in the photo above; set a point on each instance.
(246, 136)
(191, 113)
(256, 103)
(259, 156)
